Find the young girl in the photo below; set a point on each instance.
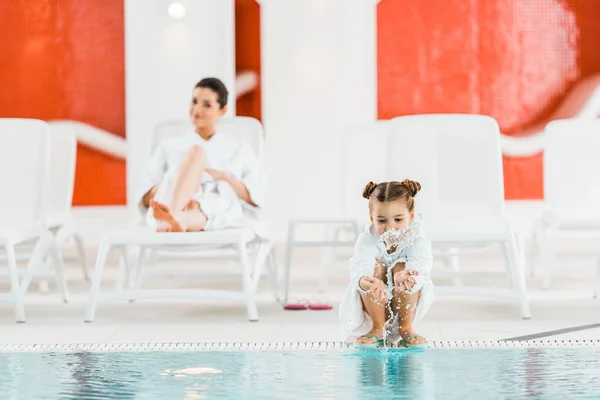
(201, 180)
(384, 269)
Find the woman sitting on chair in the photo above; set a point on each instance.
(200, 180)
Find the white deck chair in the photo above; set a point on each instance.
(245, 128)
(362, 150)
(238, 239)
(458, 160)
(571, 187)
(59, 219)
(24, 162)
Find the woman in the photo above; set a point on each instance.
(201, 180)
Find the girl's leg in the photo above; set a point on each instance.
(180, 214)
(375, 311)
(405, 305)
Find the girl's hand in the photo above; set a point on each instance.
(377, 289)
(404, 280)
(216, 174)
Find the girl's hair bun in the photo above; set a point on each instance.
(412, 186)
(369, 189)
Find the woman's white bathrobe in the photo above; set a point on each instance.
(416, 256)
(217, 199)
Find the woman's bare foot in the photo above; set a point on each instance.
(372, 337)
(410, 337)
(161, 213)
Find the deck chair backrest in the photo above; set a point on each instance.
(457, 158)
(572, 166)
(412, 154)
(63, 160)
(24, 164)
(362, 154)
(244, 128)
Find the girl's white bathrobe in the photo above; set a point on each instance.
(416, 256)
(217, 199)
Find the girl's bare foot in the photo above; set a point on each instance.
(161, 213)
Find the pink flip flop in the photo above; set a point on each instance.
(319, 305)
(296, 305)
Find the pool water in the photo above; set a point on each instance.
(505, 373)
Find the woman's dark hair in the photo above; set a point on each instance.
(216, 86)
(392, 191)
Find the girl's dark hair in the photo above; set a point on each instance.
(391, 191)
(216, 86)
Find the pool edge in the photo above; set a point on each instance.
(228, 346)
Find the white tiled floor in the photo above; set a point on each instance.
(49, 321)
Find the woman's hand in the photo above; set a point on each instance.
(377, 289)
(217, 175)
(149, 196)
(404, 280)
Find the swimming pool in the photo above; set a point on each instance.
(473, 370)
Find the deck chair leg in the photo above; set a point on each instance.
(59, 270)
(38, 257)
(140, 266)
(247, 282)
(518, 277)
(260, 259)
(82, 257)
(520, 240)
(15, 288)
(597, 285)
(124, 251)
(103, 251)
(120, 280)
(43, 286)
(288, 260)
(535, 247)
(123, 270)
(508, 262)
(274, 275)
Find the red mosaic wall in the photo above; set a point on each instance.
(247, 53)
(511, 59)
(64, 59)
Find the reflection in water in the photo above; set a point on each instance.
(95, 377)
(351, 374)
(394, 372)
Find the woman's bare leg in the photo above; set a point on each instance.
(177, 213)
(405, 305)
(188, 178)
(375, 311)
(191, 219)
